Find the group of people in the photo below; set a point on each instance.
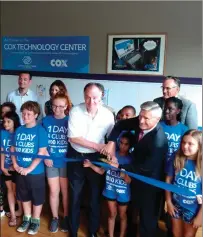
(162, 143)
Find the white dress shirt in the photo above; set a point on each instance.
(18, 99)
(81, 124)
(149, 130)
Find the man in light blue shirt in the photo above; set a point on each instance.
(23, 93)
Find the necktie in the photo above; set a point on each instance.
(141, 135)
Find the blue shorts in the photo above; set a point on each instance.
(120, 195)
(184, 214)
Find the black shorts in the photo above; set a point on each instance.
(114, 200)
(10, 178)
(31, 188)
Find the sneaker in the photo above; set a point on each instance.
(64, 224)
(54, 225)
(2, 213)
(34, 226)
(24, 225)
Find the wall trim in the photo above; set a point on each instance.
(108, 77)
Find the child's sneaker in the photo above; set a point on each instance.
(54, 225)
(24, 225)
(65, 224)
(2, 213)
(34, 226)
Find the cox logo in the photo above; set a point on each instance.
(58, 63)
(188, 201)
(27, 60)
(120, 191)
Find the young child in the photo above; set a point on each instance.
(127, 112)
(11, 122)
(172, 126)
(6, 107)
(30, 179)
(56, 126)
(117, 187)
(186, 171)
(174, 130)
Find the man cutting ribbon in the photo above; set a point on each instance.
(150, 148)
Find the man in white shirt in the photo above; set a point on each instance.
(89, 123)
(23, 93)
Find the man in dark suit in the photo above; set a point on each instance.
(171, 87)
(150, 148)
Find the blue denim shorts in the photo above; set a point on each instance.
(184, 214)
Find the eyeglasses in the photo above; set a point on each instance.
(168, 88)
(60, 107)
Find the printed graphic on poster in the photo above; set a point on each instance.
(105, 98)
(41, 92)
(142, 54)
(48, 54)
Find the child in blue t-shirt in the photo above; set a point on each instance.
(56, 126)
(30, 139)
(184, 171)
(11, 122)
(117, 187)
(126, 112)
(172, 126)
(174, 131)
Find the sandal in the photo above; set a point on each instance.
(12, 222)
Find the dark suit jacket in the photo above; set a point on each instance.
(148, 158)
(188, 113)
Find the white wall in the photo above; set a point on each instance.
(181, 20)
(120, 93)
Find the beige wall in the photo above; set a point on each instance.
(182, 21)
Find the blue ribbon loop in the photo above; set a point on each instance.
(147, 180)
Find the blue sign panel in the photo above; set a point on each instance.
(48, 54)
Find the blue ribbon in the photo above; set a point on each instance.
(154, 182)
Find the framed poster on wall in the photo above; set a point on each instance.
(137, 54)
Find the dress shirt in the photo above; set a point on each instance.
(147, 131)
(18, 99)
(81, 124)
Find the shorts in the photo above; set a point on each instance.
(10, 178)
(114, 200)
(31, 188)
(184, 214)
(52, 172)
(122, 196)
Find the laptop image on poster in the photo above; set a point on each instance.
(125, 50)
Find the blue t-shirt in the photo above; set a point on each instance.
(174, 135)
(57, 130)
(186, 178)
(6, 142)
(30, 140)
(113, 179)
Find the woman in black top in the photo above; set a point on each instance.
(55, 87)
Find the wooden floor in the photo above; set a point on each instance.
(7, 231)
